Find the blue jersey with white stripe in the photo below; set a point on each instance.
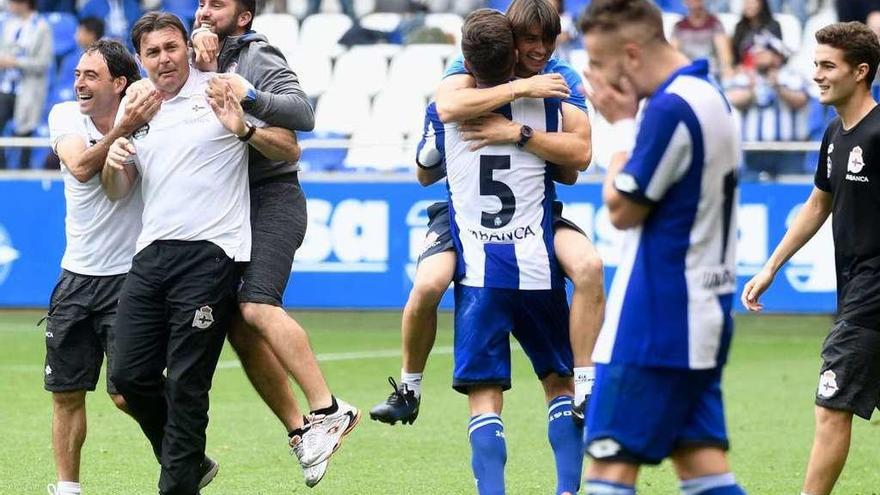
(670, 302)
(500, 201)
(554, 65)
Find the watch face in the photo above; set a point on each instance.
(526, 131)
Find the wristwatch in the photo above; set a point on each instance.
(251, 129)
(525, 133)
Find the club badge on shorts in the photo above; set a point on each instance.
(827, 384)
(204, 317)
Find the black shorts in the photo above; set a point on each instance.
(850, 375)
(79, 331)
(439, 236)
(278, 223)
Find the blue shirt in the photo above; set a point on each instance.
(670, 302)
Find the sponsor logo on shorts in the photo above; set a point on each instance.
(431, 241)
(48, 370)
(828, 384)
(600, 449)
(204, 317)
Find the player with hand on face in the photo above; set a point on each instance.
(672, 187)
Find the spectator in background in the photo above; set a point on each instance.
(25, 59)
(89, 30)
(569, 38)
(756, 19)
(773, 103)
(118, 17)
(701, 35)
(314, 6)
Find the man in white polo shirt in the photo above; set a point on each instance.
(100, 238)
(179, 298)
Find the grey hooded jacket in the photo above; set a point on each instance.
(280, 100)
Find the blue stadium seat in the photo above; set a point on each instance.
(322, 159)
(184, 9)
(63, 32)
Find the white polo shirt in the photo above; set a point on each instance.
(194, 175)
(101, 234)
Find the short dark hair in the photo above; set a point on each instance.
(524, 14)
(612, 15)
(858, 43)
(155, 21)
(247, 6)
(487, 45)
(120, 63)
(94, 25)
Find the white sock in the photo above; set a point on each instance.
(413, 381)
(68, 488)
(584, 376)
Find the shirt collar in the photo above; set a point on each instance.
(698, 68)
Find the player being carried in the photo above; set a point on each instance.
(668, 325)
(846, 184)
(507, 278)
(536, 25)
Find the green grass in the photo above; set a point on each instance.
(769, 389)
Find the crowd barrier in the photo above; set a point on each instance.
(365, 233)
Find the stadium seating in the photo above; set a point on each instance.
(449, 23)
(729, 21)
(381, 21)
(321, 33)
(282, 30)
(63, 30)
(313, 68)
(418, 68)
(357, 72)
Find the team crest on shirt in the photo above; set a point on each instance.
(141, 132)
(855, 164)
(204, 317)
(828, 160)
(827, 384)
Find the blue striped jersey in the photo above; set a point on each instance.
(500, 201)
(670, 301)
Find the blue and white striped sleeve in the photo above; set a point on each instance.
(431, 151)
(663, 152)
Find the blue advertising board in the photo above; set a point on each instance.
(364, 237)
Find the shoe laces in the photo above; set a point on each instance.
(399, 395)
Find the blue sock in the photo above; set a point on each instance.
(599, 487)
(716, 484)
(566, 439)
(488, 453)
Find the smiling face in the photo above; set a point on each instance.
(163, 54)
(837, 80)
(534, 51)
(223, 17)
(96, 90)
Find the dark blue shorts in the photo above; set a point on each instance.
(484, 319)
(640, 415)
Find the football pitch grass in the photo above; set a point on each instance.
(769, 387)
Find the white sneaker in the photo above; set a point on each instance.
(50, 488)
(325, 434)
(315, 474)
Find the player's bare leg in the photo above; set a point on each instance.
(611, 477)
(582, 264)
(418, 332)
(119, 402)
(830, 449)
(705, 470)
(266, 374)
(68, 433)
(330, 419)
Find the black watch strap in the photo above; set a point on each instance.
(525, 133)
(251, 129)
